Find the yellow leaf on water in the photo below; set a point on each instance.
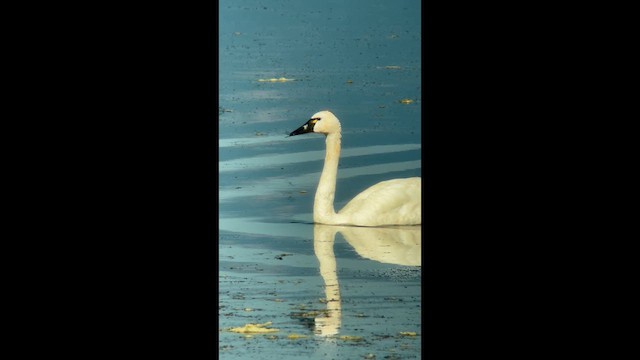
(282, 79)
(254, 329)
(408, 333)
(296, 336)
(406, 101)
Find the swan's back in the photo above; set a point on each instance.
(391, 202)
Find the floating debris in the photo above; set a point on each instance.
(406, 101)
(408, 333)
(254, 329)
(296, 336)
(282, 79)
(369, 356)
(349, 81)
(310, 314)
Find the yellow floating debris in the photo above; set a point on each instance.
(282, 79)
(254, 329)
(349, 81)
(296, 336)
(408, 333)
(303, 192)
(406, 101)
(350, 338)
(248, 309)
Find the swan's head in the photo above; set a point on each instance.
(323, 122)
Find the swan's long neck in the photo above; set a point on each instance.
(323, 210)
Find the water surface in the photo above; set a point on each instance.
(359, 59)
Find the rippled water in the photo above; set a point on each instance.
(359, 59)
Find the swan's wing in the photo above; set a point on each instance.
(390, 202)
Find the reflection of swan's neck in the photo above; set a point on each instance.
(323, 210)
(324, 237)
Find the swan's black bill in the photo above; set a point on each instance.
(306, 128)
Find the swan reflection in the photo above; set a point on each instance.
(391, 245)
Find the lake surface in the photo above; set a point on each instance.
(331, 292)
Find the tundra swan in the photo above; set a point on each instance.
(391, 202)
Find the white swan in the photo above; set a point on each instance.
(391, 202)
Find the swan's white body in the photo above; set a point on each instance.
(391, 202)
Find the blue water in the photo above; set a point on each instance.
(359, 59)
